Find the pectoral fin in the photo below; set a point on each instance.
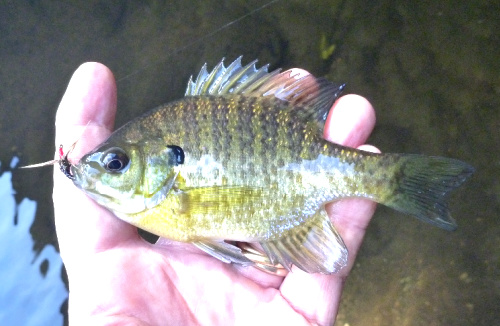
(210, 200)
(314, 246)
(223, 251)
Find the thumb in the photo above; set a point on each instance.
(85, 115)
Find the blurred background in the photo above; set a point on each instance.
(431, 70)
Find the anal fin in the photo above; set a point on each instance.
(314, 246)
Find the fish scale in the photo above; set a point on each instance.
(278, 141)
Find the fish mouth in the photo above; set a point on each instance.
(83, 180)
(66, 168)
(74, 173)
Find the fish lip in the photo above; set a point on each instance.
(76, 174)
(88, 187)
(82, 183)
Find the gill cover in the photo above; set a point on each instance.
(160, 171)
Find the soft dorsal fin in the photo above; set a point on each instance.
(311, 97)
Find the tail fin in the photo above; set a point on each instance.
(422, 185)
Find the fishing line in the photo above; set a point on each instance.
(63, 158)
(204, 37)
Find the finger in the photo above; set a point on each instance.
(89, 104)
(86, 113)
(350, 121)
(317, 296)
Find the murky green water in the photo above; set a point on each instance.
(430, 69)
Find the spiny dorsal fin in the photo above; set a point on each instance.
(311, 97)
(231, 80)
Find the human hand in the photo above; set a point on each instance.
(117, 278)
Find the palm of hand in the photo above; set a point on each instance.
(142, 283)
(118, 278)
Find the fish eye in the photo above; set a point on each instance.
(115, 160)
(178, 154)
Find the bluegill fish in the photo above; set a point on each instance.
(242, 158)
